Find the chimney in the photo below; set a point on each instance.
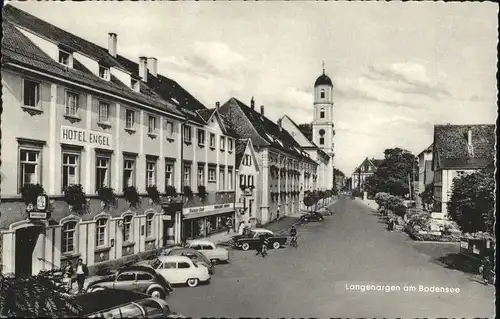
(252, 103)
(112, 43)
(262, 110)
(279, 123)
(143, 68)
(217, 105)
(153, 66)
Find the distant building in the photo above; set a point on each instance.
(458, 150)
(365, 169)
(425, 173)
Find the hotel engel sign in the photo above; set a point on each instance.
(78, 136)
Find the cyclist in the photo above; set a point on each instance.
(263, 243)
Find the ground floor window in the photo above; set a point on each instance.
(205, 226)
(68, 237)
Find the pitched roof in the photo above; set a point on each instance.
(309, 138)
(261, 130)
(372, 162)
(427, 150)
(451, 146)
(240, 147)
(205, 113)
(307, 132)
(159, 91)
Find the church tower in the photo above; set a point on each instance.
(322, 125)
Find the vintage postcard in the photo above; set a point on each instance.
(217, 159)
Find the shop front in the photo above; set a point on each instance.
(207, 220)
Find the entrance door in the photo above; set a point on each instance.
(26, 239)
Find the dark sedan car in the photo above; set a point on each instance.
(312, 216)
(251, 240)
(115, 303)
(141, 279)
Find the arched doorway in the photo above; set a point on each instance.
(27, 239)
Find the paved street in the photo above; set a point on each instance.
(351, 247)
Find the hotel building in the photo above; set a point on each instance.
(76, 113)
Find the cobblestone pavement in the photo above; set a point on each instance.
(349, 248)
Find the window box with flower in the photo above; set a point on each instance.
(75, 198)
(107, 196)
(153, 193)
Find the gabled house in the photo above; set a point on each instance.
(458, 150)
(286, 170)
(325, 162)
(365, 169)
(247, 177)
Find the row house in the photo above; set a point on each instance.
(247, 178)
(81, 114)
(325, 162)
(458, 150)
(365, 169)
(285, 170)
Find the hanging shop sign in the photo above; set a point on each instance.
(78, 136)
(40, 209)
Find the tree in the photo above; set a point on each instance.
(472, 202)
(43, 295)
(428, 196)
(392, 174)
(308, 201)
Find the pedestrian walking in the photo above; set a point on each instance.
(82, 272)
(229, 224)
(68, 273)
(485, 269)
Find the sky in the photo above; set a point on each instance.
(398, 68)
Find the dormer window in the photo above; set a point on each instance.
(134, 84)
(104, 72)
(65, 58)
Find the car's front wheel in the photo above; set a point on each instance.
(158, 293)
(245, 246)
(320, 219)
(276, 245)
(192, 282)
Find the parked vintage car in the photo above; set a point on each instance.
(117, 303)
(181, 270)
(251, 239)
(134, 278)
(311, 217)
(213, 252)
(195, 256)
(324, 211)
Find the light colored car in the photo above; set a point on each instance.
(181, 270)
(213, 252)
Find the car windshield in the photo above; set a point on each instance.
(156, 263)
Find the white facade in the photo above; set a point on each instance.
(443, 182)
(247, 182)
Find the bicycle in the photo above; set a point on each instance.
(293, 242)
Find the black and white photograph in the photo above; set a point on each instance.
(248, 159)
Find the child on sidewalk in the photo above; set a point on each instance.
(485, 269)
